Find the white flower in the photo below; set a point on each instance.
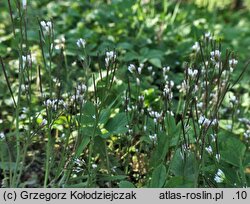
(24, 4)
(215, 55)
(131, 68)
(150, 68)
(206, 122)
(192, 73)
(214, 122)
(183, 87)
(139, 70)
(47, 26)
(166, 69)
(44, 122)
(219, 176)
(209, 149)
(141, 98)
(43, 24)
(48, 103)
(233, 62)
(94, 166)
(208, 36)
(247, 134)
(81, 43)
(213, 136)
(27, 59)
(110, 55)
(153, 137)
(200, 104)
(196, 47)
(2, 135)
(138, 82)
(217, 157)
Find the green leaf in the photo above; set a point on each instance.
(126, 184)
(88, 116)
(232, 150)
(179, 182)
(161, 149)
(156, 62)
(158, 177)
(104, 116)
(185, 167)
(117, 124)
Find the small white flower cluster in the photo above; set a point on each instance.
(79, 165)
(94, 166)
(208, 36)
(213, 136)
(132, 68)
(167, 91)
(232, 64)
(196, 47)
(183, 87)
(150, 68)
(215, 56)
(244, 120)
(79, 95)
(28, 59)
(192, 73)
(200, 105)
(247, 134)
(55, 104)
(60, 43)
(164, 71)
(156, 115)
(153, 137)
(81, 43)
(141, 98)
(110, 56)
(47, 26)
(209, 150)
(217, 157)
(219, 176)
(2, 135)
(139, 69)
(206, 122)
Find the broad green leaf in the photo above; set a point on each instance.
(126, 184)
(156, 62)
(158, 177)
(185, 167)
(117, 124)
(161, 149)
(232, 150)
(179, 182)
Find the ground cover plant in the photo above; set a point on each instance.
(124, 94)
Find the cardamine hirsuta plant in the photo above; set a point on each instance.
(103, 126)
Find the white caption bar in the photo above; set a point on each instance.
(113, 195)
